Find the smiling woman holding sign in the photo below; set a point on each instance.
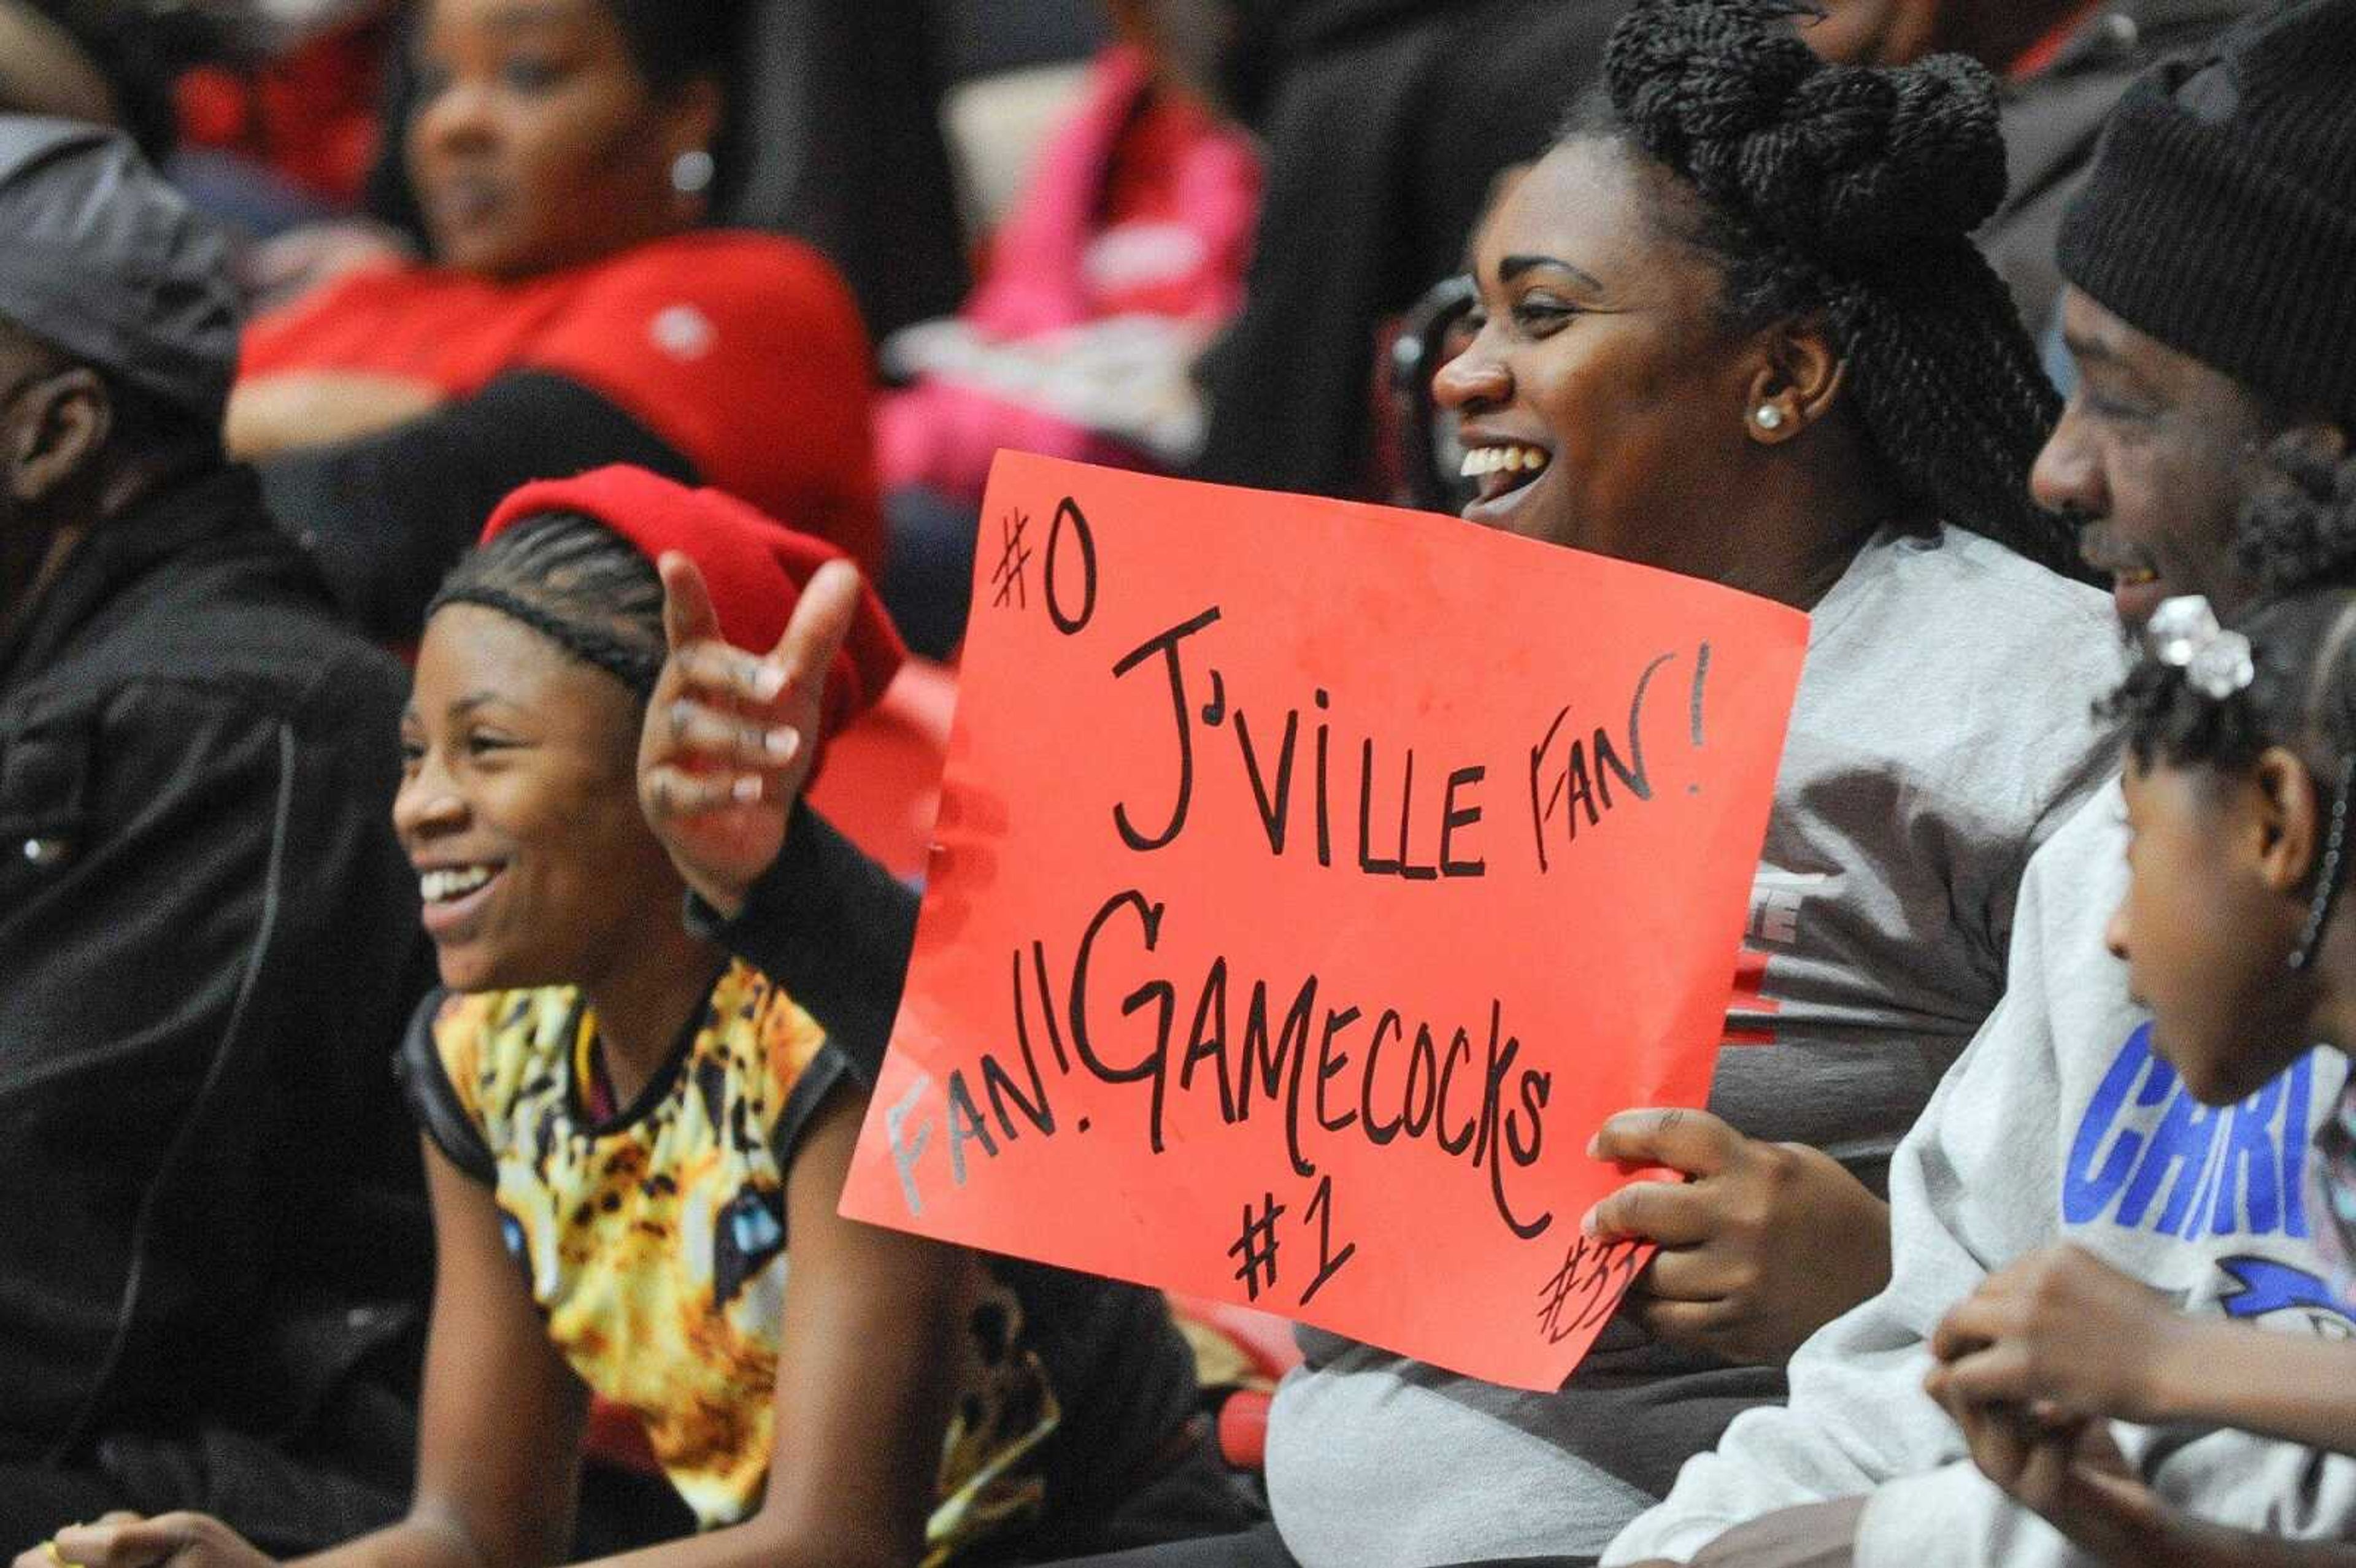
(1731, 326)
(635, 1140)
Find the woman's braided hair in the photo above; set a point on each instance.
(1851, 192)
(577, 583)
(2296, 538)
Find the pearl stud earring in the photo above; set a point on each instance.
(691, 172)
(1769, 417)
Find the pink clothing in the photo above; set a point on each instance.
(1125, 255)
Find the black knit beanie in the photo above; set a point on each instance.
(2221, 213)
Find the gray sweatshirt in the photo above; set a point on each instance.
(1944, 726)
(2058, 1122)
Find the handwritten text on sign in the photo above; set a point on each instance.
(1311, 880)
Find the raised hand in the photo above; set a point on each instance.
(2059, 1330)
(731, 736)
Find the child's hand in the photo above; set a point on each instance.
(127, 1541)
(2061, 1332)
(1764, 1245)
(2073, 1474)
(729, 736)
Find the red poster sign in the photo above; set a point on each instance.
(1311, 880)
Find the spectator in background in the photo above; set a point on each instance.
(565, 151)
(834, 137)
(1385, 124)
(108, 62)
(1122, 258)
(2064, 64)
(282, 128)
(215, 1253)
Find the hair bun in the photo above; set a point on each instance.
(1842, 162)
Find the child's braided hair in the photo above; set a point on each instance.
(577, 583)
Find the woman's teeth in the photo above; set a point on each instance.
(2133, 576)
(441, 886)
(1483, 461)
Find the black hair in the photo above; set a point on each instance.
(576, 583)
(1851, 192)
(673, 42)
(140, 47)
(2296, 538)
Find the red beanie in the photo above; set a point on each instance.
(754, 566)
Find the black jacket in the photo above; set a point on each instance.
(216, 1247)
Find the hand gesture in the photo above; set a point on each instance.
(729, 736)
(2071, 1473)
(2061, 1331)
(1760, 1246)
(127, 1541)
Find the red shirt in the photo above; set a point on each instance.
(743, 352)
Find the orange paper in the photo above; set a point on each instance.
(1311, 880)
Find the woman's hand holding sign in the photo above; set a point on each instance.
(1762, 1244)
(727, 744)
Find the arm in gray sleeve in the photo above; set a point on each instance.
(1975, 1184)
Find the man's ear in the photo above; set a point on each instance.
(66, 419)
(2285, 832)
(1800, 381)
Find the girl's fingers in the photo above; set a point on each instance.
(687, 614)
(820, 623)
(717, 739)
(133, 1543)
(1977, 1322)
(1677, 1322)
(671, 794)
(1997, 1374)
(720, 672)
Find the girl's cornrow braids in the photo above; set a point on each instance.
(577, 583)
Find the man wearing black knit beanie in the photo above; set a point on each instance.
(2210, 263)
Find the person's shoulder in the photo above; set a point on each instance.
(761, 1021)
(234, 608)
(1975, 671)
(2095, 835)
(685, 330)
(497, 1046)
(473, 1063)
(1986, 606)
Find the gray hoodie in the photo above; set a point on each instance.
(2057, 1122)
